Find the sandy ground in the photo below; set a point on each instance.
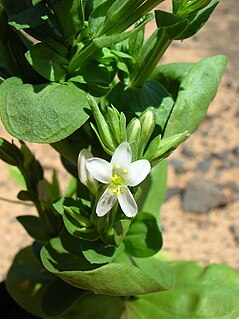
(208, 237)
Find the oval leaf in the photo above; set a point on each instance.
(43, 113)
(196, 91)
(120, 278)
(144, 238)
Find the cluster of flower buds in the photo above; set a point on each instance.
(112, 129)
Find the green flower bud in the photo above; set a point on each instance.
(103, 133)
(44, 193)
(134, 131)
(10, 153)
(147, 127)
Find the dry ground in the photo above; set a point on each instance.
(204, 237)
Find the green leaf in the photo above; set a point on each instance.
(70, 17)
(172, 24)
(34, 228)
(27, 281)
(30, 18)
(52, 111)
(92, 306)
(199, 292)
(134, 99)
(170, 76)
(196, 91)
(197, 20)
(158, 270)
(154, 189)
(120, 278)
(144, 238)
(47, 62)
(59, 298)
(17, 176)
(97, 17)
(97, 252)
(161, 148)
(121, 228)
(38, 291)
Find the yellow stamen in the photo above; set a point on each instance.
(126, 171)
(117, 166)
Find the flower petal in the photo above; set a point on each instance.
(105, 203)
(122, 155)
(100, 169)
(81, 166)
(127, 203)
(85, 176)
(138, 171)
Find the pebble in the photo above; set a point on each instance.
(234, 230)
(203, 166)
(236, 150)
(187, 152)
(178, 165)
(228, 165)
(173, 191)
(201, 196)
(223, 155)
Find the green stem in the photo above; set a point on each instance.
(77, 60)
(149, 62)
(12, 201)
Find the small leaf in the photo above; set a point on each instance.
(30, 18)
(34, 228)
(144, 238)
(198, 19)
(17, 176)
(47, 62)
(52, 111)
(121, 228)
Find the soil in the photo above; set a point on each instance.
(212, 154)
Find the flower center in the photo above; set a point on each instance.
(118, 182)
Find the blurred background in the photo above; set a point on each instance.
(200, 216)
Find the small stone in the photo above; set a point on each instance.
(187, 152)
(221, 155)
(173, 191)
(236, 150)
(201, 196)
(178, 165)
(234, 230)
(203, 166)
(228, 165)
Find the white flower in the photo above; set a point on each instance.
(118, 174)
(84, 175)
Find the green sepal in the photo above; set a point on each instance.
(160, 148)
